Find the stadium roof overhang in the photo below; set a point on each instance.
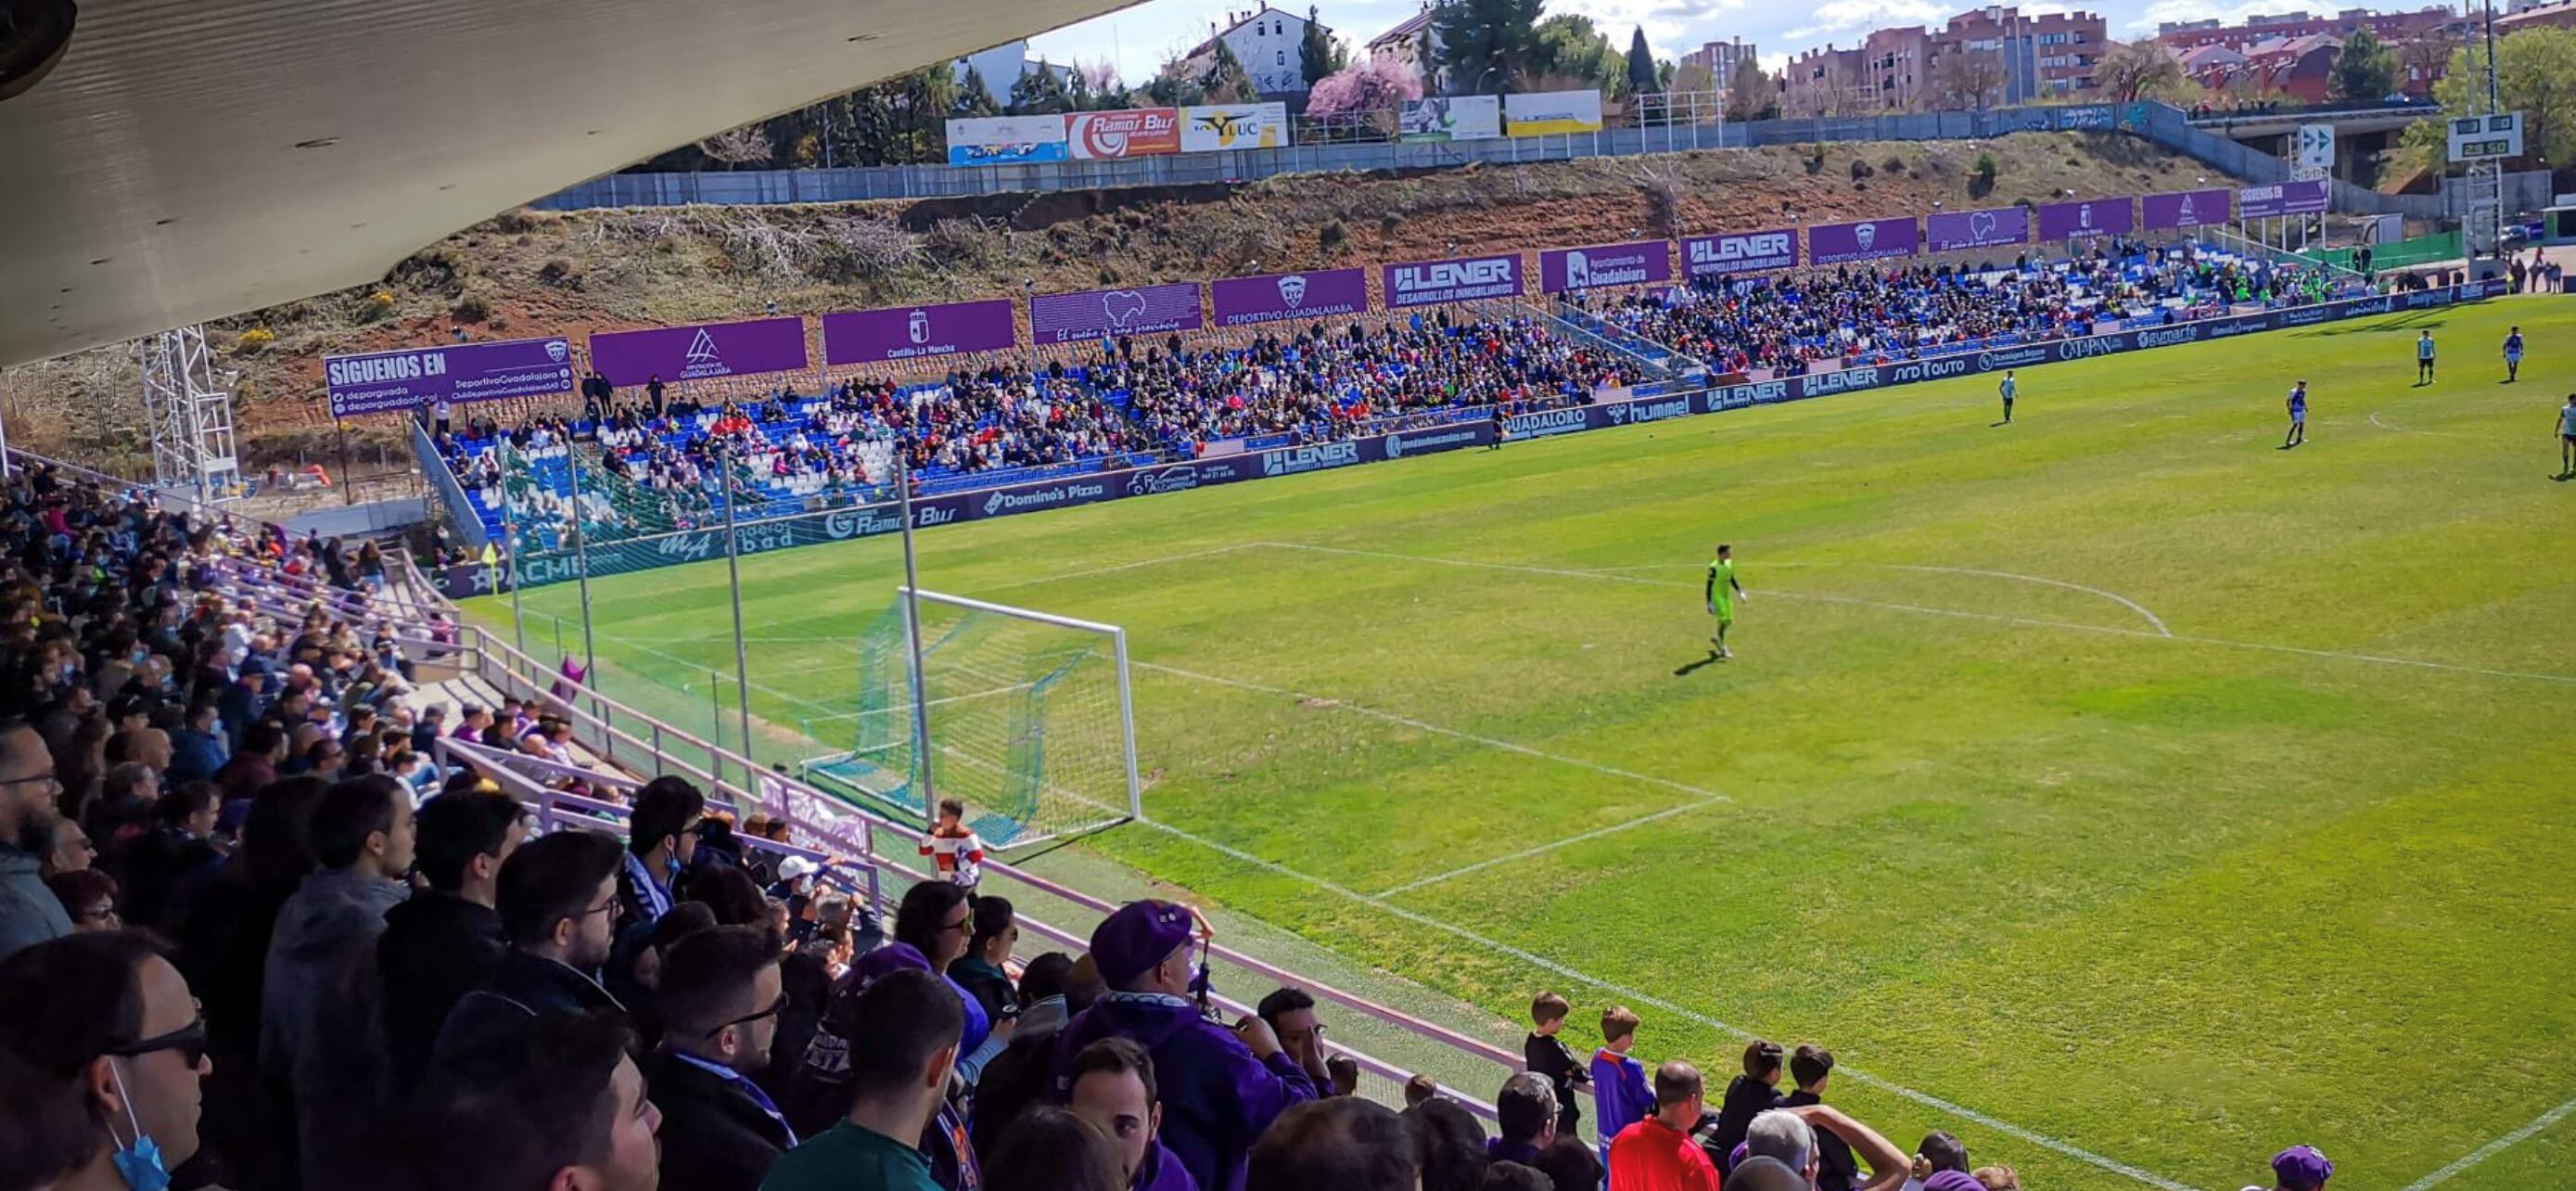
(188, 159)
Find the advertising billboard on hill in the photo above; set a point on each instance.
(1139, 310)
(707, 351)
(1864, 240)
(1740, 252)
(1643, 262)
(2087, 217)
(1133, 132)
(1006, 140)
(1955, 231)
(1279, 297)
(1465, 279)
(380, 382)
(1216, 127)
(918, 332)
(1547, 113)
(1451, 118)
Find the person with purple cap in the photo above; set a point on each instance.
(1222, 1088)
(2299, 1168)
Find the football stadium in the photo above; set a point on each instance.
(1455, 611)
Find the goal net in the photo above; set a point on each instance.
(1029, 717)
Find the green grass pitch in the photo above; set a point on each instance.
(2114, 774)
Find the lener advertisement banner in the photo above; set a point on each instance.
(1955, 231)
(1216, 127)
(379, 382)
(1547, 113)
(703, 352)
(1466, 279)
(2087, 217)
(1006, 140)
(1644, 262)
(1143, 310)
(1866, 240)
(1454, 118)
(1740, 252)
(918, 332)
(1279, 297)
(1134, 132)
(2281, 198)
(2185, 208)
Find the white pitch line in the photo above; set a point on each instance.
(1124, 566)
(2107, 630)
(2493, 1148)
(1543, 849)
(1508, 746)
(2113, 596)
(1641, 997)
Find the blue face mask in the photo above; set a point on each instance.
(140, 1164)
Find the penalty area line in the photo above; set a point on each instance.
(1568, 841)
(2493, 1148)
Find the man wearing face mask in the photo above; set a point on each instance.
(29, 913)
(719, 996)
(662, 838)
(107, 1013)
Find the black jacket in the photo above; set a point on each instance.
(1746, 1098)
(715, 1136)
(436, 948)
(524, 987)
(1836, 1169)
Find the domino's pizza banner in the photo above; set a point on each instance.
(1465, 428)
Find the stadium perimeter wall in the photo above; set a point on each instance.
(1448, 431)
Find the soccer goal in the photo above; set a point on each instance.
(1030, 719)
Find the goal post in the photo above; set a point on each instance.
(1028, 717)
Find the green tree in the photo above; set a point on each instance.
(1642, 77)
(2364, 69)
(1039, 92)
(1226, 81)
(1176, 85)
(1753, 94)
(2130, 70)
(975, 96)
(1488, 47)
(2536, 71)
(1320, 55)
(1573, 52)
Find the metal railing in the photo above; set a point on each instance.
(626, 738)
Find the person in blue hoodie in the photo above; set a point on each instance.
(1620, 1096)
(1226, 1085)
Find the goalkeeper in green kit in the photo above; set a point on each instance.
(1723, 592)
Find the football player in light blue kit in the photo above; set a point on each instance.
(2513, 356)
(2424, 358)
(2567, 438)
(2008, 390)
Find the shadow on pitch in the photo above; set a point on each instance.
(1689, 668)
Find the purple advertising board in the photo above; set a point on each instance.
(1278, 297)
(381, 382)
(2087, 217)
(1464, 279)
(1141, 310)
(918, 332)
(2281, 198)
(1866, 240)
(1740, 252)
(702, 352)
(1641, 262)
(2185, 208)
(1953, 231)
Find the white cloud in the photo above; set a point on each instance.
(1861, 16)
(2160, 11)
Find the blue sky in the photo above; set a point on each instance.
(1138, 39)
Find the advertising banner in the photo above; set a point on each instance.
(1740, 252)
(1954, 231)
(1465, 279)
(1214, 127)
(2185, 208)
(2281, 198)
(1143, 310)
(1547, 113)
(2315, 152)
(1642, 262)
(1277, 297)
(918, 332)
(611, 558)
(1866, 240)
(1134, 132)
(2087, 217)
(702, 352)
(1455, 118)
(378, 382)
(1006, 140)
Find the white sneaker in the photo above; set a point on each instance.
(1724, 653)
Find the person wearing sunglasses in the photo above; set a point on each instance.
(108, 1014)
(719, 998)
(557, 896)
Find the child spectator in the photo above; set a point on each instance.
(953, 847)
(1620, 1096)
(1548, 1056)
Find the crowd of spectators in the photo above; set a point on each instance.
(241, 948)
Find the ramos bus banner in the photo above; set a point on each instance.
(383, 382)
(1133, 132)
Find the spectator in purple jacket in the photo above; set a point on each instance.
(1620, 1096)
(2301, 1168)
(1225, 1086)
(1113, 1088)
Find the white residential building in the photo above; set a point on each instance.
(1270, 44)
(1415, 41)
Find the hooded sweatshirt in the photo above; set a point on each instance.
(319, 1027)
(1217, 1099)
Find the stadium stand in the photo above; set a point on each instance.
(377, 901)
